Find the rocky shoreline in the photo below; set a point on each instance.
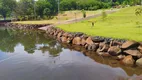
(25, 26)
(128, 52)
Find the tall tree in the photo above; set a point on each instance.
(6, 7)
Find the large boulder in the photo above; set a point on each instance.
(133, 53)
(76, 41)
(128, 60)
(130, 44)
(89, 41)
(139, 62)
(103, 48)
(92, 47)
(114, 50)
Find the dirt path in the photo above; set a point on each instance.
(78, 19)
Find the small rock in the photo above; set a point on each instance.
(89, 41)
(76, 41)
(133, 53)
(105, 54)
(130, 44)
(139, 62)
(120, 57)
(114, 50)
(128, 60)
(64, 39)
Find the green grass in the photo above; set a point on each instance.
(67, 15)
(121, 24)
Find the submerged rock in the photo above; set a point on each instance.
(128, 60)
(120, 57)
(105, 54)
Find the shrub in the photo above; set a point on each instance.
(84, 13)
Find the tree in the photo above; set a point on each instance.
(25, 8)
(6, 7)
(43, 8)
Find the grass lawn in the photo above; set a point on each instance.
(121, 24)
(67, 15)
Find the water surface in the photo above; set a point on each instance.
(33, 55)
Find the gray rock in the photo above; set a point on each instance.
(139, 62)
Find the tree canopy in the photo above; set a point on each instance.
(29, 9)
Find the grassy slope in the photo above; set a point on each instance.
(121, 24)
(67, 15)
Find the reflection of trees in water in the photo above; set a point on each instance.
(53, 50)
(28, 38)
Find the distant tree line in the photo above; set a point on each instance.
(46, 9)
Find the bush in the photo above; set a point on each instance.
(84, 13)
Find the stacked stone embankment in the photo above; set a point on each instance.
(25, 26)
(128, 52)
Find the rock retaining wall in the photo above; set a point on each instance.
(128, 52)
(25, 26)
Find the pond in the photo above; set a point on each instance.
(33, 55)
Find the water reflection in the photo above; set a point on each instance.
(32, 55)
(29, 39)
